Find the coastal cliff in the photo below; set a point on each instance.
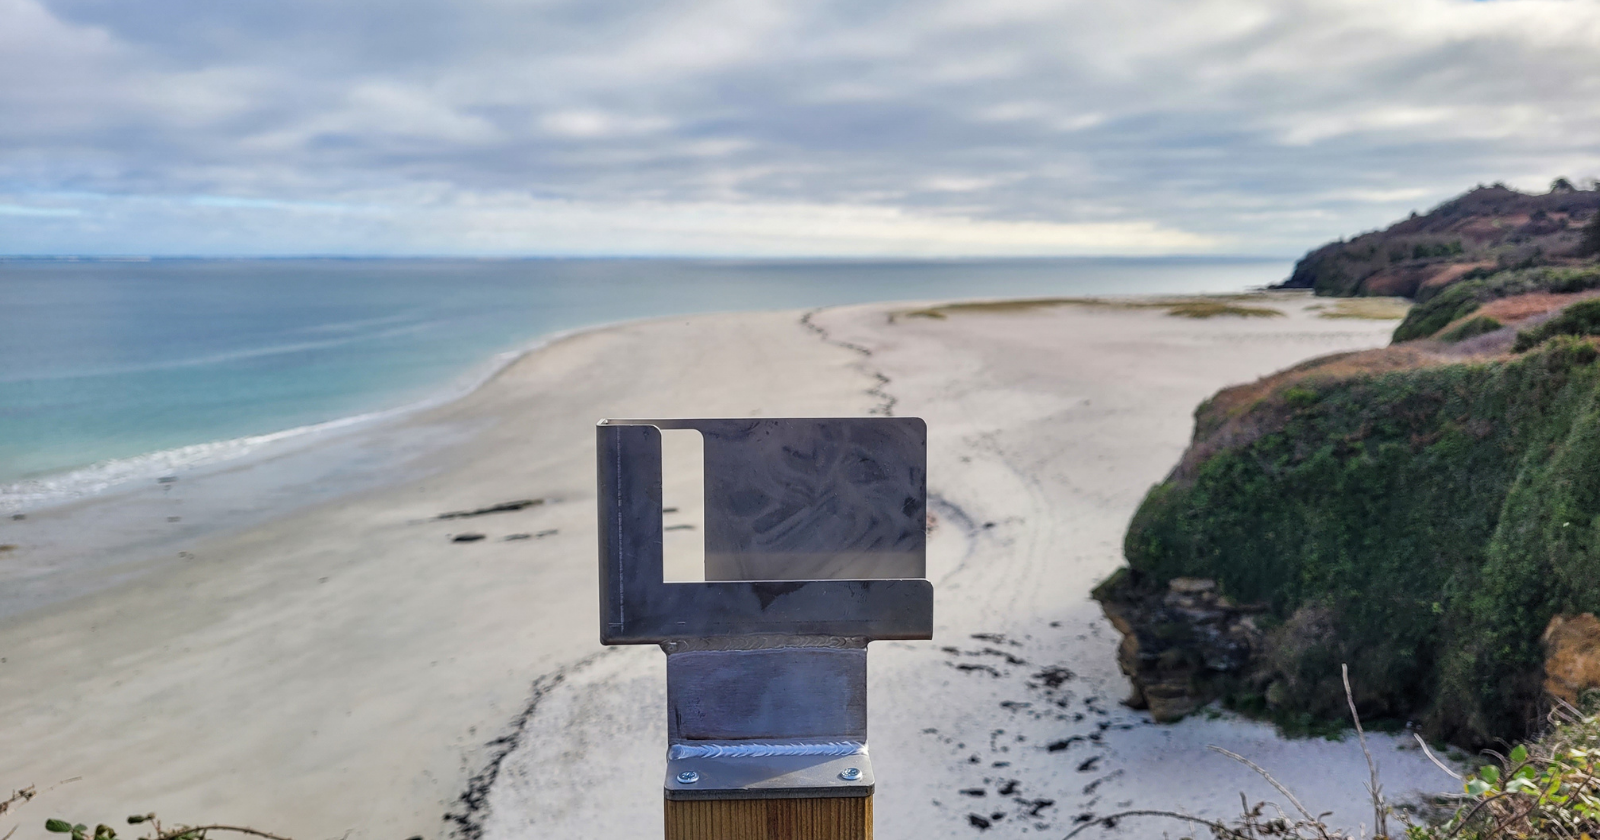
(1482, 230)
(1428, 512)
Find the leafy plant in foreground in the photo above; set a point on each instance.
(1544, 789)
(80, 831)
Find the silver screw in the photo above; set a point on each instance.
(689, 777)
(851, 774)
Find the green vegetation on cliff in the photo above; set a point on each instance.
(1589, 246)
(1489, 228)
(1439, 309)
(1471, 328)
(1422, 524)
(1578, 319)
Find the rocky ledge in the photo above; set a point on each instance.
(1185, 644)
(1182, 644)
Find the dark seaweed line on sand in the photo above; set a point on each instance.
(472, 805)
(886, 407)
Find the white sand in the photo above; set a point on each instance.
(346, 668)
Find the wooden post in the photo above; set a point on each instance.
(832, 818)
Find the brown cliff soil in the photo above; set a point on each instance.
(1572, 660)
(1513, 310)
(1449, 273)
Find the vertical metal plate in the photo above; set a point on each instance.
(815, 496)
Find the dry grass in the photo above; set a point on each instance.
(1209, 306)
(993, 307)
(1214, 308)
(1455, 271)
(1367, 308)
(1519, 307)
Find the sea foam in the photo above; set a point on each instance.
(103, 476)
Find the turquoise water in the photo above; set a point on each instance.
(103, 360)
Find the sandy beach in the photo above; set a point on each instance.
(329, 665)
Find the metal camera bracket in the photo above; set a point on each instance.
(815, 534)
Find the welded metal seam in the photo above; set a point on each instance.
(747, 749)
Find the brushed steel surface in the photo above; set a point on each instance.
(815, 537)
(767, 694)
(782, 496)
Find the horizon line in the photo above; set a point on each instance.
(597, 257)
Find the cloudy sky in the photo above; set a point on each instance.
(746, 127)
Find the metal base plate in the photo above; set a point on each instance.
(770, 777)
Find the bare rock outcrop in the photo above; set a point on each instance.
(1181, 644)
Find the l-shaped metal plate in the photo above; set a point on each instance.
(818, 495)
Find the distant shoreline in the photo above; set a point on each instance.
(103, 477)
(106, 477)
(42, 484)
(844, 260)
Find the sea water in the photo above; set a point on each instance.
(112, 369)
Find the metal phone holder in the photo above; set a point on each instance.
(815, 534)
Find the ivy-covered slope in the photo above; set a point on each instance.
(1419, 517)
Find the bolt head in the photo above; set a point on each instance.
(688, 777)
(851, 774)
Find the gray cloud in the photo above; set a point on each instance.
(742, 126)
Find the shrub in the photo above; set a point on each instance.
(1457, 301)
(1471, 328)
(1464, 296)
(1582, 318)
(1546, 788)
(1589, 246)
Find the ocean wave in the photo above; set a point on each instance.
(358, 324)
(104, 475)
(95, 479)
(217, 358)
